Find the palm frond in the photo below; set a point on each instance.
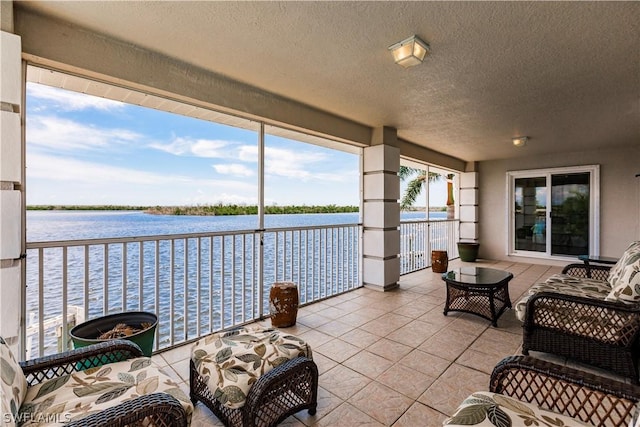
(433, 177)
(412, 191)
(405, 172)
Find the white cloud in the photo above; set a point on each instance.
(235, 169)
(67, 100)
(300, 164)
(209, 148)
(56, 133)
(56, 168)
(63, 180)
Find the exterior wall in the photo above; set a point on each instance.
(619, 198)
(11, 229)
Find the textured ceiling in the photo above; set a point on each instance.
(567, 74)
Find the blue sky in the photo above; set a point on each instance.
(85, 150)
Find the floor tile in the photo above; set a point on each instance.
(347, 415)
(368, 364)
(327, 402)
(452, 387)
(337, 350)
(390, 350)
(381, 402)
(420, 415)
(405, 380)
(343, 382)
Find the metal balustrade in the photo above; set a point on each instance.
(418, 238)
(196, 283)
(200, 283)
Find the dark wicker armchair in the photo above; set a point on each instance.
(158, 409)
(598, 332)
(279, 393)
(580, 395)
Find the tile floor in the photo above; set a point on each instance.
(393, 358)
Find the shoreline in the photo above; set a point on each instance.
(216, 210)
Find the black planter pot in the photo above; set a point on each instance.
(468, 251)
(87, 333)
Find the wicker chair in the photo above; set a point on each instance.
(157, 409)
(601, 333)
(279, 393)
(233, 373)
(546, 386)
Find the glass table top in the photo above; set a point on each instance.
(477, 275)
(598, 259)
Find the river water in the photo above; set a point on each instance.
(212, 290)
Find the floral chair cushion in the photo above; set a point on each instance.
(230, 362)
(74, 396)
(13, 385)
(492, 409)
(567, 285)
(624, 277)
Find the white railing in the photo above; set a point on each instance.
(419, 238)
(196, 283)
(200, 283)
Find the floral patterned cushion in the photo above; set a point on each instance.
(13, 385)
(230, 362)
(74, 396)
(624, 277)
(492, 409)
(567, 285)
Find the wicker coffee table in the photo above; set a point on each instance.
(478, 290)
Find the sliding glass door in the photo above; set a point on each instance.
(554, 212)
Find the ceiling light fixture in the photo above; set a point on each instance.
(520, 141)
(409, 52)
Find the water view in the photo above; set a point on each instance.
(79, 225)
(198, 273)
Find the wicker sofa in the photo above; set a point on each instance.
(106, 384)
(529, 391)
(595, 320)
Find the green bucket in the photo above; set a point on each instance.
(87, 333)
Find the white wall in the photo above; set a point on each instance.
(619, 198)
(10, 188)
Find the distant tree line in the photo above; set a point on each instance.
(85, 208)
(221, 209)
(203, 210)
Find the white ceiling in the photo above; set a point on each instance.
(567, 74)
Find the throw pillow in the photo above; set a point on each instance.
(13, 385)
(624, 277)
(617, 269)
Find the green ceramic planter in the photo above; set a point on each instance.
(468, 251)
(87, 333)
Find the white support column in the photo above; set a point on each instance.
(10, 189)
(381, 216)
(469, 207)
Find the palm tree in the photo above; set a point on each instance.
(415, 185)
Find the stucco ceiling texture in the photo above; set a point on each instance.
(566, 74)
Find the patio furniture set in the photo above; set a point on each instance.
(589, 313)
(260, 376)
(247, 377)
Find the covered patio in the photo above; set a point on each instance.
(562, 74)
(393, 358)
